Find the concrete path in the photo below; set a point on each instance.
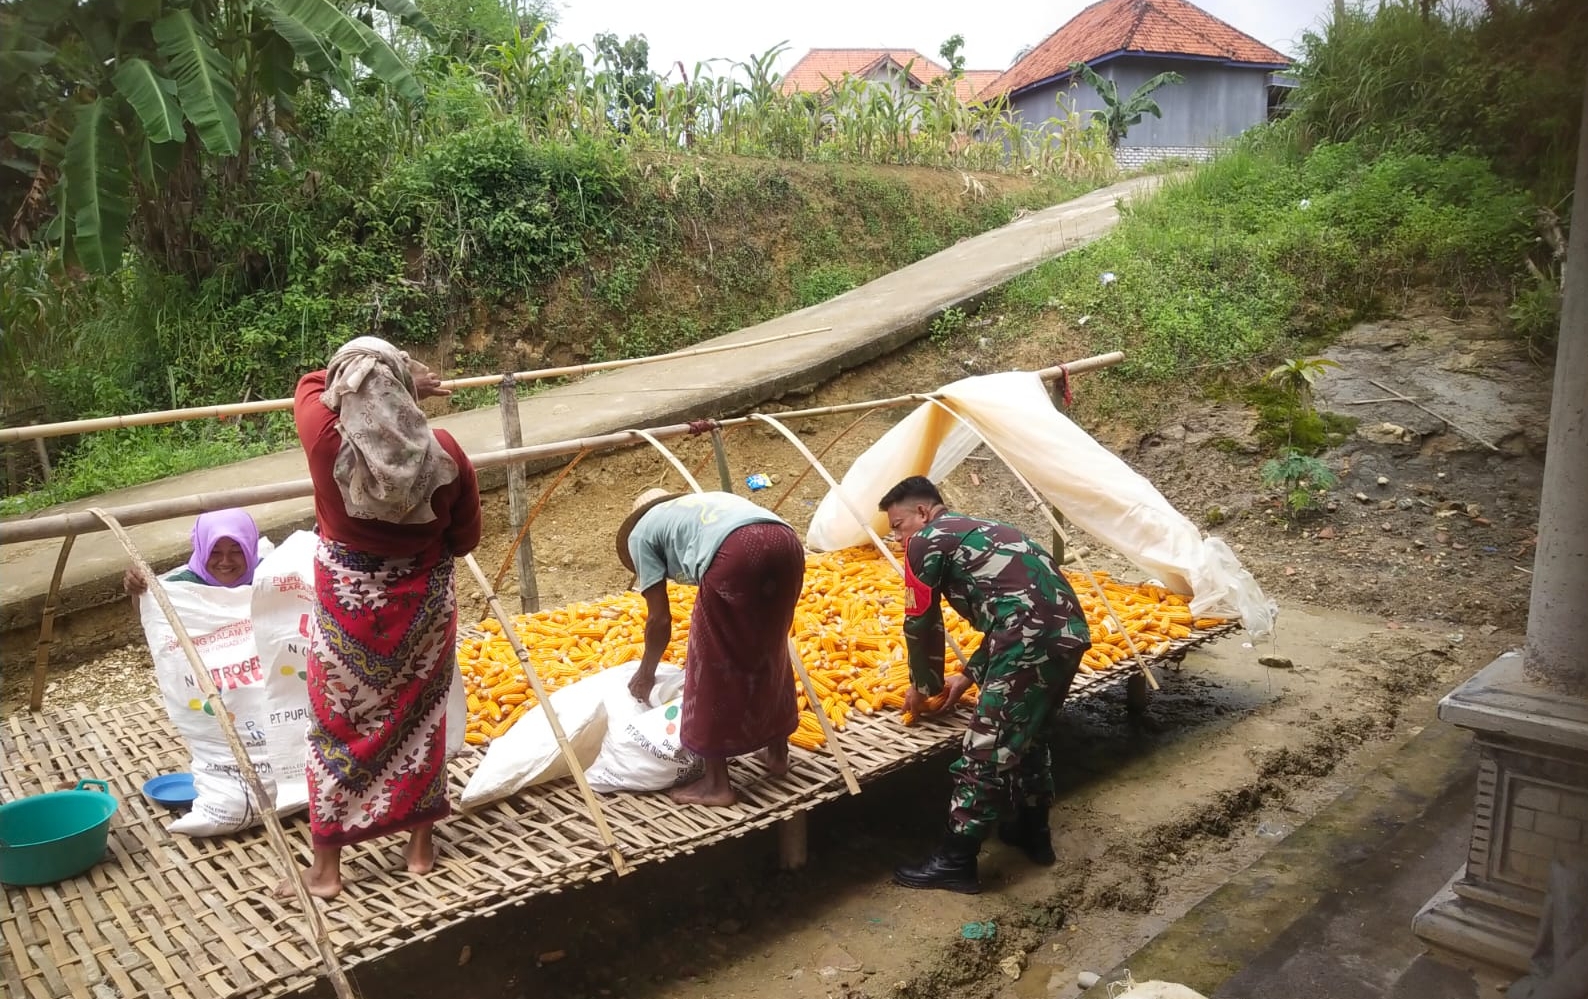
(868, 322)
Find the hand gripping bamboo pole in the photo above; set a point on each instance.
(575, 768)
(1047, 512)
(276, 835)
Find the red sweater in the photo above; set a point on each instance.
(456, 529)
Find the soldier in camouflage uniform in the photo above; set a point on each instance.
(1008, 586)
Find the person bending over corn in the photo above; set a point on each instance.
(1035, 633)
(738, 682)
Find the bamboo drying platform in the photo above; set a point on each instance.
(168, 915)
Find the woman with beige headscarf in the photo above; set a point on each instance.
(395, 503)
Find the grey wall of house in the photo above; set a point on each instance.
(1214, 103)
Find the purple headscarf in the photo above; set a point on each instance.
(211, 528)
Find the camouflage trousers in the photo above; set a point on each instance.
(1007, 760)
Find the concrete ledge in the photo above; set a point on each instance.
(867, 322)
(1461, 930)
(1247, 924)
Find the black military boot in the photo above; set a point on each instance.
(1029, 831)
(952, 867)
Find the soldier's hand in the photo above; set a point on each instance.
(914, 700)
(955, 687)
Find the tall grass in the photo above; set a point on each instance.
(1266, 245)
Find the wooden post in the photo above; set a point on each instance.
(44, 457)
(722, 459)
(518, 500)
(792, 837)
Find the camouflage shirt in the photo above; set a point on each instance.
(998, 579)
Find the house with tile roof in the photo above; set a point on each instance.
(902, 69)
(1232, 80)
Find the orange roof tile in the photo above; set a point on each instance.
(1159, 27)
(974, 82)
(816, 67)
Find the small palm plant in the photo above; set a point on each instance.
(1297, 376)
(1120, 116)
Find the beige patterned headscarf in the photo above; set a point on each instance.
(389, 463)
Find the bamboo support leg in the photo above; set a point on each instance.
(575, 768)
(792, 837)
(41, 655)
(277, 837)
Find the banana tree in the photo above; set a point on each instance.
(1120, 116)
(143, 96)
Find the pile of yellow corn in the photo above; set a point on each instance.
(848, 626)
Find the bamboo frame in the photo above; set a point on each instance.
(318, 934)
(861, 519)
(1047, 511)
(59, 525)
(575, 768)
(672, 459)
(42, 430)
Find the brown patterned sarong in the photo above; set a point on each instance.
(738, 682)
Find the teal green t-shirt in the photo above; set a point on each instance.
(678, 539)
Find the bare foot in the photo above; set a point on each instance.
(774, 758)
(318, 887)
(703, 792)
(420, 853)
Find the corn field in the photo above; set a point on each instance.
(557, 93)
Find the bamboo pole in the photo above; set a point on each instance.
(1058, 532)
(826, 723)
(277, 836)
(20, 530)
(861, 519)
(576, 768)
(672, 458)
(523, 532)
(42, 430)
(41, 655)
(857, 421)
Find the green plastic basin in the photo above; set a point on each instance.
(46, 838)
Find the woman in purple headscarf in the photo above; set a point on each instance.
(225, 553)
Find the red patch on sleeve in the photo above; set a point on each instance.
(917, 595)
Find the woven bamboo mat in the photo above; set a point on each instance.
(168, 915)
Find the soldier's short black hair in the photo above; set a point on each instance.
(915, 488)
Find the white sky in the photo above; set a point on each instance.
(695, 30)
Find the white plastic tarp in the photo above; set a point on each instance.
(1094, 488)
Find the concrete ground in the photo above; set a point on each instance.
(1328, 912)
(866, 323)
